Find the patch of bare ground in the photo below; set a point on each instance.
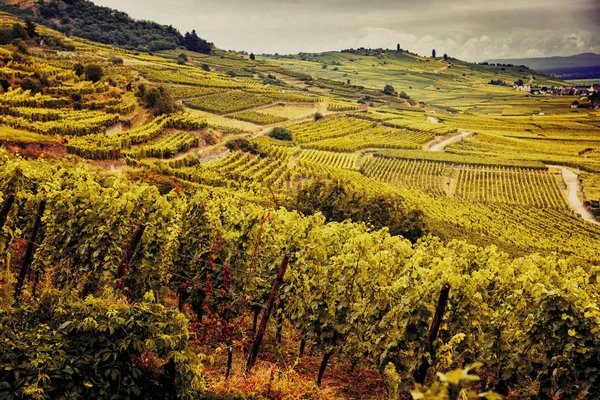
(36, 150)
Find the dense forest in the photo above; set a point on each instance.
(84, 19)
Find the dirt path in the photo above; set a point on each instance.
(573, 190)
(440, 146)
(116, 128)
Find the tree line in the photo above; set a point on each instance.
(84, 19)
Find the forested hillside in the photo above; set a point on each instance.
(84, 19)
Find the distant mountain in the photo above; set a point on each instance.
(84, 19)
(580, 66)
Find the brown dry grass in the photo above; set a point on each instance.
(282, 375)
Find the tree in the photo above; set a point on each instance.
(252, 57)
(18, 32)
(193, 43)
(445, 57)
(318, 116)
(433, 53)
(94, 72)
(281, 133)
(158, 99)
(79, 69)
(389, 90)
(31, 84)
(30, 27)
(398, 49)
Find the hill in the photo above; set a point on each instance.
(84, 19)
(580, 66)
(450, 84)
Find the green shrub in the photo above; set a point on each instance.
(281, 133)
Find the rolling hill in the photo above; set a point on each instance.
(580, 66)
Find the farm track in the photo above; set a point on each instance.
(573, 191)
(440, 146)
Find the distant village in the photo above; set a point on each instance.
(560, 90)
(592, 92)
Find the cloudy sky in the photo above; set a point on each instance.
(472, 30)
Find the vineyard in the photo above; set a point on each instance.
(328, 128)
(430, 177)
(181, 225)
(383, 138)
(258, 118)
(228, 102)
(336, 160)
(344, 282)
(534, 188)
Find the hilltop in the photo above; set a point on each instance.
(440, 82)
(580, 66)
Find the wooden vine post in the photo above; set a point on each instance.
(28, 256)
(421, 372)
(325, 360)
(6, 206)
(265, 319)
(130, 249)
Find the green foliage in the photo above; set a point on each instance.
(158, 99)
(389, 90)
(243, 145)
(281, 133)
(338, 202)
(84, 19)
(451, 386)
(79, 69)
(94, 72)
(60, 346)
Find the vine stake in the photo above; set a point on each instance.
(265, 319)
(421, 373)
(130, 249)
(28, 257)
(6, 206)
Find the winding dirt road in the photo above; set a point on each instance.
(573, 190)
(437, 147)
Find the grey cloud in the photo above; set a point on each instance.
(469, 29)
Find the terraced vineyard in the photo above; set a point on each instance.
(258, 118)
(166, 147)
(527, 187)
(430, 177)
(332, 159)
(228, 102)
(328, 128)
(381, 137)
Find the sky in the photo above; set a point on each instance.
(472, 30)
